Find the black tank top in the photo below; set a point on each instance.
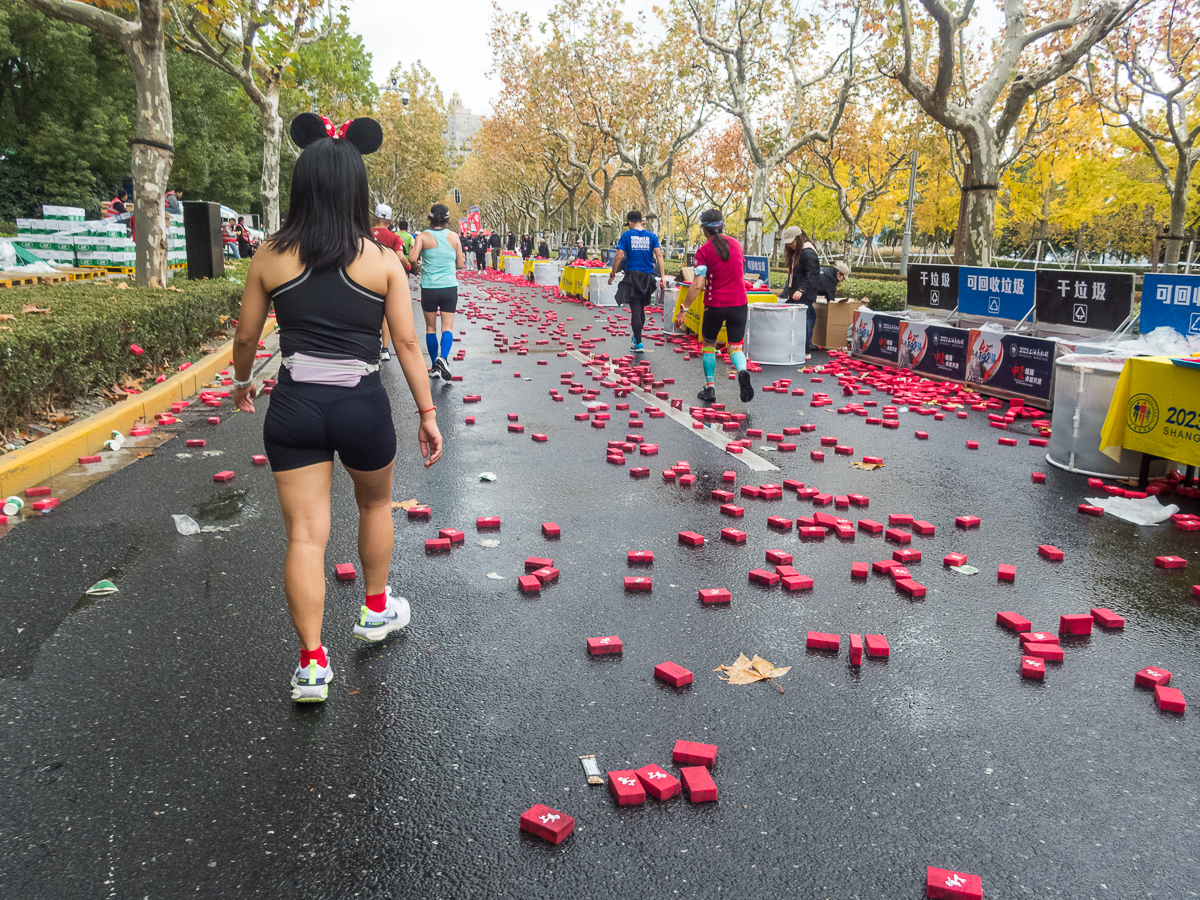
(330, 315)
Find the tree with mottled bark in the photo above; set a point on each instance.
(982, 102)
(1146, 77)
(141, 37)
(762, 49)
(255, 43)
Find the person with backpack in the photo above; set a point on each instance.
(494, 242)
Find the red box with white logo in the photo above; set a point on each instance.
(1152, 676)
(732, 534)
(1170, 562)
(601, 646)
(659, 784)
(715, 595)
(626, 787)
(547, 823)
(1032, 667)
(638, 583)
(945, 884)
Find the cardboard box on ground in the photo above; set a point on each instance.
(833, 321)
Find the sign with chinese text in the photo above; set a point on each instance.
(1010, 363)
(995, 293)
(758, 265)
(933, 286)
(875, 335)
(1099, 300)
(1173, 301)
(936, 350)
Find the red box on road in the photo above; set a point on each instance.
(1152, 676)
(945, 884)
(1107, 618)
(1044, 650)
(779, 558)
(547, 823)
(626, 787)
(1032, 667)
(1075, 624)
(698, 784)
(715, 595)
(638, 583)
(694, 754)
(1169, 699)
(600, 646)
(856, 649)
(877, 645)
(870, 526)
(1012, 621)
(691, 538)
(550, 530)
(658, 784)
(345, 571)
(1047, 551)
(732, 534)
(859, 570)
(673, 674)
(820, 640)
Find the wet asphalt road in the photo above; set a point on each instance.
(150, 748)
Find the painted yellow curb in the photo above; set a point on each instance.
(48, 456)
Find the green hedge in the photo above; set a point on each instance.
(82, 344)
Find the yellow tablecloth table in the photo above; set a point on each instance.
(527, 269)
(694, 316)
(1154, 410)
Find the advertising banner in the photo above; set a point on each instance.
(474, 222)
(997, 293)
(758, 265)
(876, 335)
(1100, 300)
(932, 286)
(935, 350)
(1171, 300)
(1011, 363)
(1155, 409)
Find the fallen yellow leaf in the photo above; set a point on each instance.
(867, 466)
(405, 504)
(748, 671)
(33, 308)
(6, 317)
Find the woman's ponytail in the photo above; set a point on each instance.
(713, 224)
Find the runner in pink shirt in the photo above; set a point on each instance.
(719, 274)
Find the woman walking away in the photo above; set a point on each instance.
(641, 256)
(332, 287)
(803, 273)
(719, 266)
(441, 255)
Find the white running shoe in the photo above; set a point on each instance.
(385, 355)
(373, 626)
(310, 684)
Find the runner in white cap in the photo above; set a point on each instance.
(382, 232)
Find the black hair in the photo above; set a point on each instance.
(121, 193)
(402, 224)
(329, 215)
(713, 224)
(439, 215)
(790, 252)
(634, 216)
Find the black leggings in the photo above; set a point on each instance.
(637, 318)
(732, 317)
(308, 423)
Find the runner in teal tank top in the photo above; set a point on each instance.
(441, 255)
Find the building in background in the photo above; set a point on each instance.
(461, 126)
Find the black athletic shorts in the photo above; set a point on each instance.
(308, 423)
(732, 317)
(636, 287)
(444, 299)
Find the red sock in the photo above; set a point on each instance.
(377, 603)
(307, 656)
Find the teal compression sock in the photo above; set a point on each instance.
(431, 344)
(447, 343)
(738, 358)
(709, 359)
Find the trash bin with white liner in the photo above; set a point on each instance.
(547, 273)
(1083, 389)
(776, 333)
(600, 292)
(513, 265)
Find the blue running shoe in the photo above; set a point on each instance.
(639, 347)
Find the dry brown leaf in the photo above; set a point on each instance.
(748, 671)
(5, 328)
(33, 308)
(176, 290)
(144, 455)
(6, 317)
(405, 504)
(867, 466)
(122, 286)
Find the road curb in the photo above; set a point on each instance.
(44, 458)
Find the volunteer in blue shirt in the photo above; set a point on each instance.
(641, 256)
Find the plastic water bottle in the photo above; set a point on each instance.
(186, 525)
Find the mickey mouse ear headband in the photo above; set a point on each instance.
(364, 134)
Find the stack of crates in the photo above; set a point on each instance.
(63, 237)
